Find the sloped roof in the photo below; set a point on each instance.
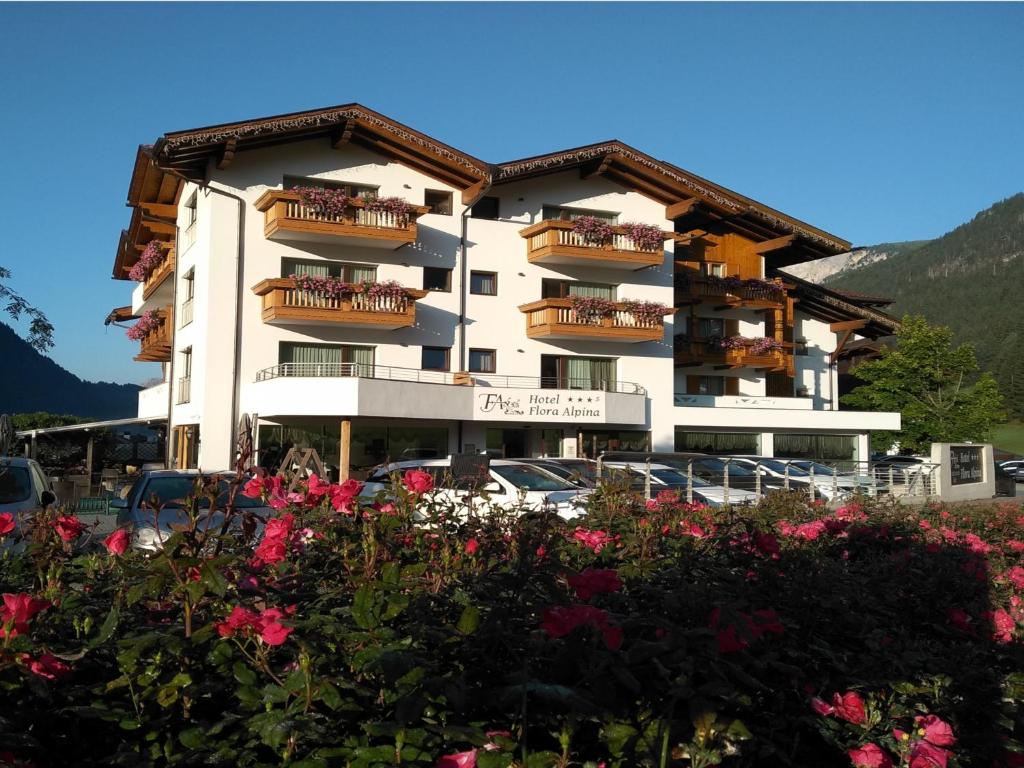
(831, 306)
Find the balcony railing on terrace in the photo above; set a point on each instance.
(556, 242)
(392, 373)
(696, 351)
(287, 217)
(729, 292)
(158, 274)
(557, 319)
(284, 302)
(155, 346)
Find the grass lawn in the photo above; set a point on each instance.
(1010, 437)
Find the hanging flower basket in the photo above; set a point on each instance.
(325, 287)
(146, 324)
(645, 237)
(329, 203)
(396, 206)
(149, 259)
(590, 309)
(388, 290)
(646, 312)
(593, 230)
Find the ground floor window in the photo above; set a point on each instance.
(721, 443)
(515, 443)
(305, 359)
(819, 447)
(371, 444)
(558, 372)
(594, 442)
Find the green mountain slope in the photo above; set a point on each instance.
(33, 382)
(971, 279)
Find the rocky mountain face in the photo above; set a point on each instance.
(823, 269)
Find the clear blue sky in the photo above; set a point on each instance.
(875, 122)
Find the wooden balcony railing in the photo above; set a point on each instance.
(286, 217)
(155, 346)
(555, 242)
(695, 290)
(285, 303)
(160, 272)
(556, 319)
(691, 351)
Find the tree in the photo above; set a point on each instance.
(935, 387)
(40, 330)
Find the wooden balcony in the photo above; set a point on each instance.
(287, 218)
(555, 242)
(285, 304)
(556, 319)
(694, 352)
(156, 346)
(160, 273)
(726, 294)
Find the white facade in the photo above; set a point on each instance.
(230, 343)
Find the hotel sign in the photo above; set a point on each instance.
(965, 465)
(532, 405)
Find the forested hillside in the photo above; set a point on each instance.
(971, 279)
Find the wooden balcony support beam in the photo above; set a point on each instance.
(680, 208)
(343, 135)
(591, 170)
(847, 325)
(473, 193)
(774, 244)
(159, 211)
(227, 153)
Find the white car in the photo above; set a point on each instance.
(666, 478)
(23, 486)
(508, 484)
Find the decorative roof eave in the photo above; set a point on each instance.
(119, 315)
(809, 294)
(687, 183)
(183, 148)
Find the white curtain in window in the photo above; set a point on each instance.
(594, 290)
(312, 269)
(362, 361)
(590, 373)
(361, 274)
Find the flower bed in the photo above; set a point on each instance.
(663, 634)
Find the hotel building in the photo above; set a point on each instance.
(357, 287)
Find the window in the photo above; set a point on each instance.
(188, 234)
(710, 326)
(571, 372)
(483, 361)
(188, 289)
(485, 208)
(305, 359)
(437, 279)
(561, 289)
(438, 202)
(364, 191)
(721, 443)
(435, 358)
(571, 214)
(350, 273)
(707, 385)
(712, 269)
(483, 283)
(185, 380)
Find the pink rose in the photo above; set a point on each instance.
(417, 481)
(1014, 575)
(935, 731)
(18, 611)
(6, 523)
(472, 546)
(117, 542)
(47, 666)
(458, 760)
(822, 707)
(69, 527)
(926, 755)
(850, 707)
(870, 756)
(595, 582)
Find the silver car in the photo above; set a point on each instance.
(156, 502)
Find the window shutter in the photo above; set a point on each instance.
(732, 327)
(732, 385)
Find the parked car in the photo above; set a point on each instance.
(666, 478)
(786, 474)
(24, 487)
(507, 483)
(850, 481)
(579, 472)
(1006, 483)
(156, 501)
(1014, 468)
(711, 469)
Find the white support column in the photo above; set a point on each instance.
(767, 443)
(864, 447)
